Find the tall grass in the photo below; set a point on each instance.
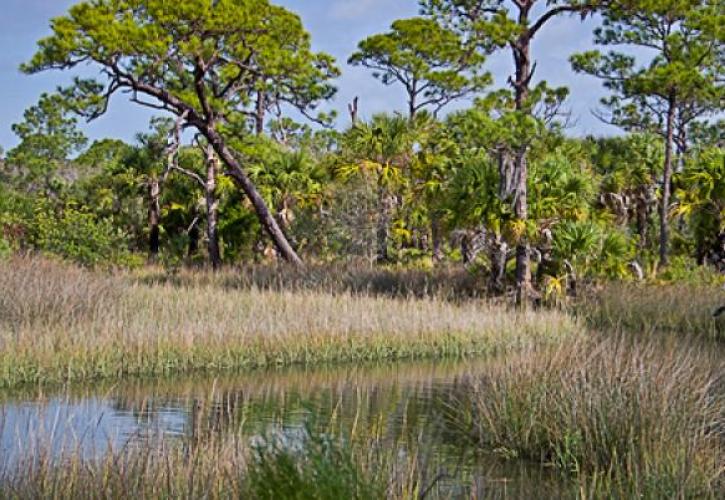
(444, 283)
(630, 419)
(69, 325)
(318, 466)
(684, 309)
(42, 291)
(283, 463)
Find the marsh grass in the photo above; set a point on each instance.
(47, 292)
(285, 463)
(628, 419)
(443, 283)
(682, 309)
(282, 463)
(68, 325)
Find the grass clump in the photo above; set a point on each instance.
(628, 419)
(682, 309)
(282, 465)
(82, 326)
(321, 468)
(444, 283)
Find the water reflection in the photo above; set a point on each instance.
(399, 403)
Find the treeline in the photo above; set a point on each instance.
(227, 176)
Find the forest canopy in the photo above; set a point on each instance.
(240, 166)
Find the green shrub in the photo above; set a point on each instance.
(308, 466)
(5, 248)
(76, 235)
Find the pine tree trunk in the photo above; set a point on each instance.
(667, 184)
(260, 113)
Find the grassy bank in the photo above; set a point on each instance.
(61, 324)
(628, 419)
(681, 309)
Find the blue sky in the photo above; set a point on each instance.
(336, 27)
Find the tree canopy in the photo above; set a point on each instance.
(433, 63)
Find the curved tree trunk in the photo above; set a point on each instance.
(244, 182)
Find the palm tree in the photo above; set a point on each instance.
(381, 151)
(287, 179)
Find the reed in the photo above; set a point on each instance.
(683, 309)
(67, 325)
(627, 418)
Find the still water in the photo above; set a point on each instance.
(401, 402)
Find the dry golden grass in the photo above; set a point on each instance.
(65, 325)
(683, 309)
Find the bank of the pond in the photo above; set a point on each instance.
(630, 418)
(680, 309)
(61, 324)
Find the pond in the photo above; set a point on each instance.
(403, 402)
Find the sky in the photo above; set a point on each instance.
(336, 27)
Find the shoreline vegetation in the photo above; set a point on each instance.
(605, 393)
(584, 270)
(62, 324)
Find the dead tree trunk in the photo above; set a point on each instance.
(154, 218)
(212, 209)
(353, 110)
(522, 59)
(499, 257)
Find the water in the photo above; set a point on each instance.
(401, 402)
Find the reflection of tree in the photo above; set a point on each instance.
(394, 402)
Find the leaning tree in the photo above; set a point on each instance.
(204, 61)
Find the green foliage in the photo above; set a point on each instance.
(161, 43)
(77, 235)
(5, 248)
(309, 465)
(686, 69)
(411, 188)
(48, 135)
(433, 63)
(701, 195)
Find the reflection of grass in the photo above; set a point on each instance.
(297, 462)
(60, 324)
(630, 419)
